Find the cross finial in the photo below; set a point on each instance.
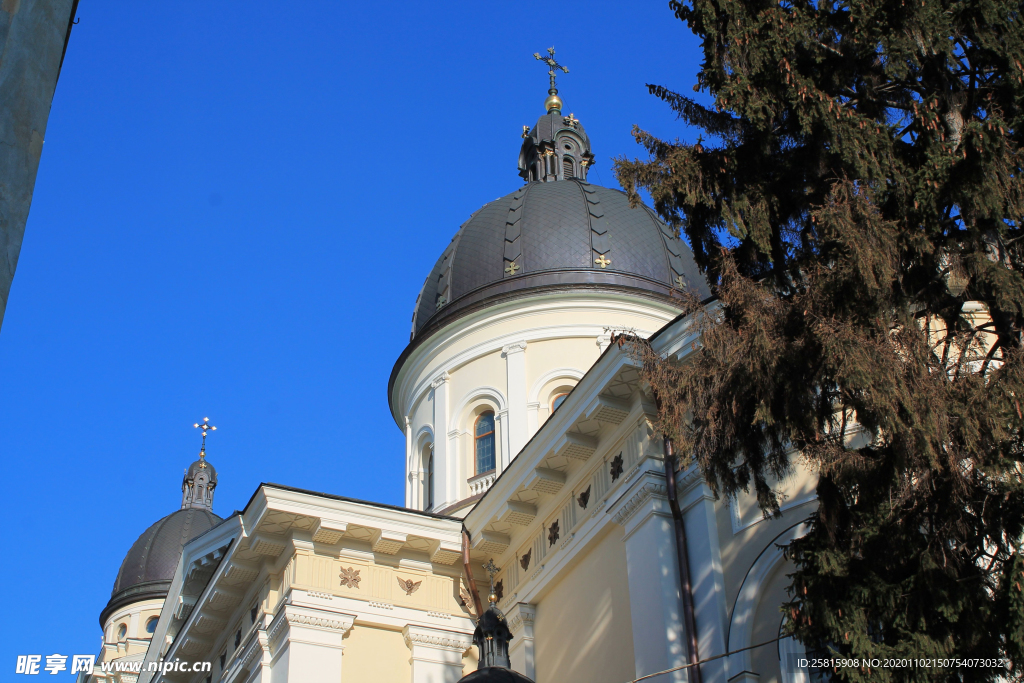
(491, 570)
(206, 427)
(553, 103)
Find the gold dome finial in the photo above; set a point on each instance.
(553, 103)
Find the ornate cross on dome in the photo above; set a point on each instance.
(206, 427)
(550, 61)
(491, 570)
(602, 261)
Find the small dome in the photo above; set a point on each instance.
(148, 568)
(559, 235)
(200, 465)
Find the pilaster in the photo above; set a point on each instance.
(653, 575)
(520, 618)
(436, 654)
(306, 644)
(518, 428)
(411, 494)
(710, 609)
(445, 468)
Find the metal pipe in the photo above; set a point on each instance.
(469, 574)
(684, 562)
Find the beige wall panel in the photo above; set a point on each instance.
(595, 593)
(488, 370)
(373, 654)
(544, 356)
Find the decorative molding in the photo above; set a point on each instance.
(439, 615)
(443, 378)
(381, 605)
(350, 577)
(328, 623)
(616, 467)
(584, 498)
(642, 495)
(524, 561)
(442, 640)
(514, 347)
(567, 541)
(322, 596)
(522, 614)
(553, 533)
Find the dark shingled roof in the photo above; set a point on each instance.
(148, 568)
(554, 232)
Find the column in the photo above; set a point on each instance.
(443, 467)
(653, 574)
(515, 363)
(520, 618)
(306, 644)
(436, 654)
(709, 601)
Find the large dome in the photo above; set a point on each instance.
(565, 234)
(148, 568)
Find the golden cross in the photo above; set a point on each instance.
(526, 131)
(550, 61)
(206, 427)
(512, 268)
(603, 261)
(571, 119)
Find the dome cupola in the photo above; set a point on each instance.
(149, 566)
(557, 148)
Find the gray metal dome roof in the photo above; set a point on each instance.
(148, 568)
(554, 235)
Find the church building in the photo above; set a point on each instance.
(538, 511)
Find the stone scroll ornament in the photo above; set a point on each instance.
(350, 578)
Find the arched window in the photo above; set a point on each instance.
(430, 481)
(484, 438)
(567, 167)
(557, 401)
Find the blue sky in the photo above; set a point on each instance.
(236, 207)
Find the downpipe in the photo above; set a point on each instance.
(684, 562)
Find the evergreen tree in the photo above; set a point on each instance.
(856, 201)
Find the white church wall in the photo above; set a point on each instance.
(515, 356)
(582, 624)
